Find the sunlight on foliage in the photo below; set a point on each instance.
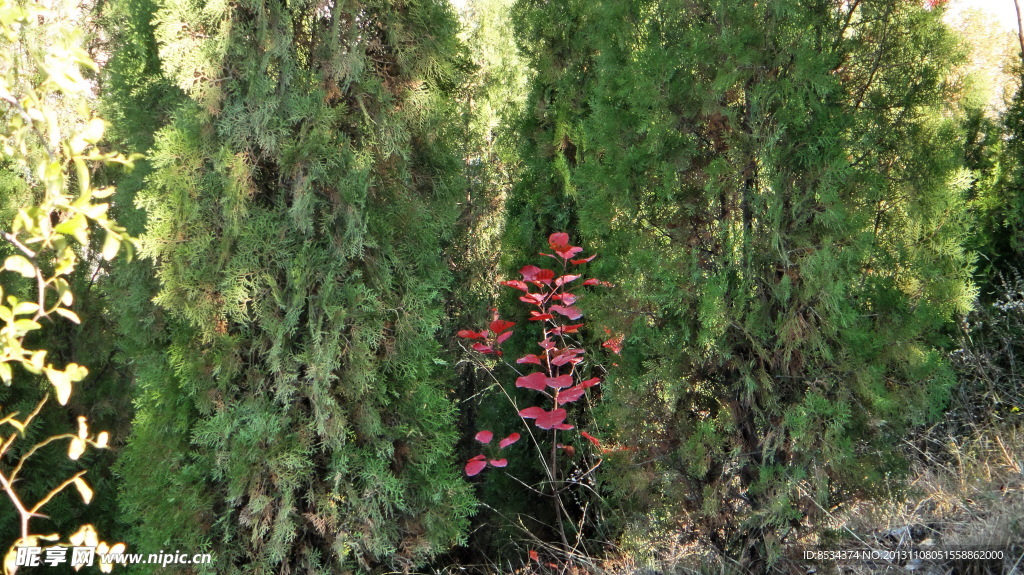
(41, 64)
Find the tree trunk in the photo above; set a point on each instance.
(1020, 28)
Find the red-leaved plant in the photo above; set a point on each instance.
(555, 369)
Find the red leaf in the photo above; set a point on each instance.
(499, 325)
(534, 298)
(544, 277)
(571, 394)
(560, 360)
(537, 316)
(531, 412)
(567, 355)
(504, 336)
(546, 344)
(535, 381)
(591, 382)
(469, 334)
(550, 419)
(558, 240)
(568, 253)
(560, 381)
(512, 438)
(614, 344)
(476, 465)
(574, 328)
(560, 243)
(499, 462)
(591, 282)
(516, 284)
(484, 436)
(536, 275)
(529, 358)
(482, 348)
(529, 273)
(563, 427)
(571, 312)
(591, 438)
(568, 298)
(583, 260)
(565, 279)
(534, 556)
(569, 450)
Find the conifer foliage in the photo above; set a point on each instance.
(779, 183)
(297, 209)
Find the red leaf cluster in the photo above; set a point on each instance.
(559, 243)
(546, 419)
(490, 340)
(478, 463)
(557, 378)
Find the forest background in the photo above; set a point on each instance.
(803, 325)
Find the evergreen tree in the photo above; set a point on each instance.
(998, 158)
(298, 206)
(777, 190)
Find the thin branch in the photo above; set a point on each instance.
(7, 444)
(1020, 28)
(55, 491)
(37, 447)
(22, 512)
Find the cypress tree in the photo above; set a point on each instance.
(299, 202)
(777, 190)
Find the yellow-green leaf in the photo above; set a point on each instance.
(11, 561)
(26, 307)
(61, 382)
(102, 439)
(85, 536)
(72, 225)
(93, 131)
(5, 372)
(70, 315)
(76, 372)
(76, 448)
(111, 244)
(84, 182)
(35, 363)
(64, 291)
(84, 489)
(26, 325)
(21, 265)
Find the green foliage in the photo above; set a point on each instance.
(52, 204)
(996, 152)
(297, 209)
(776, 187)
